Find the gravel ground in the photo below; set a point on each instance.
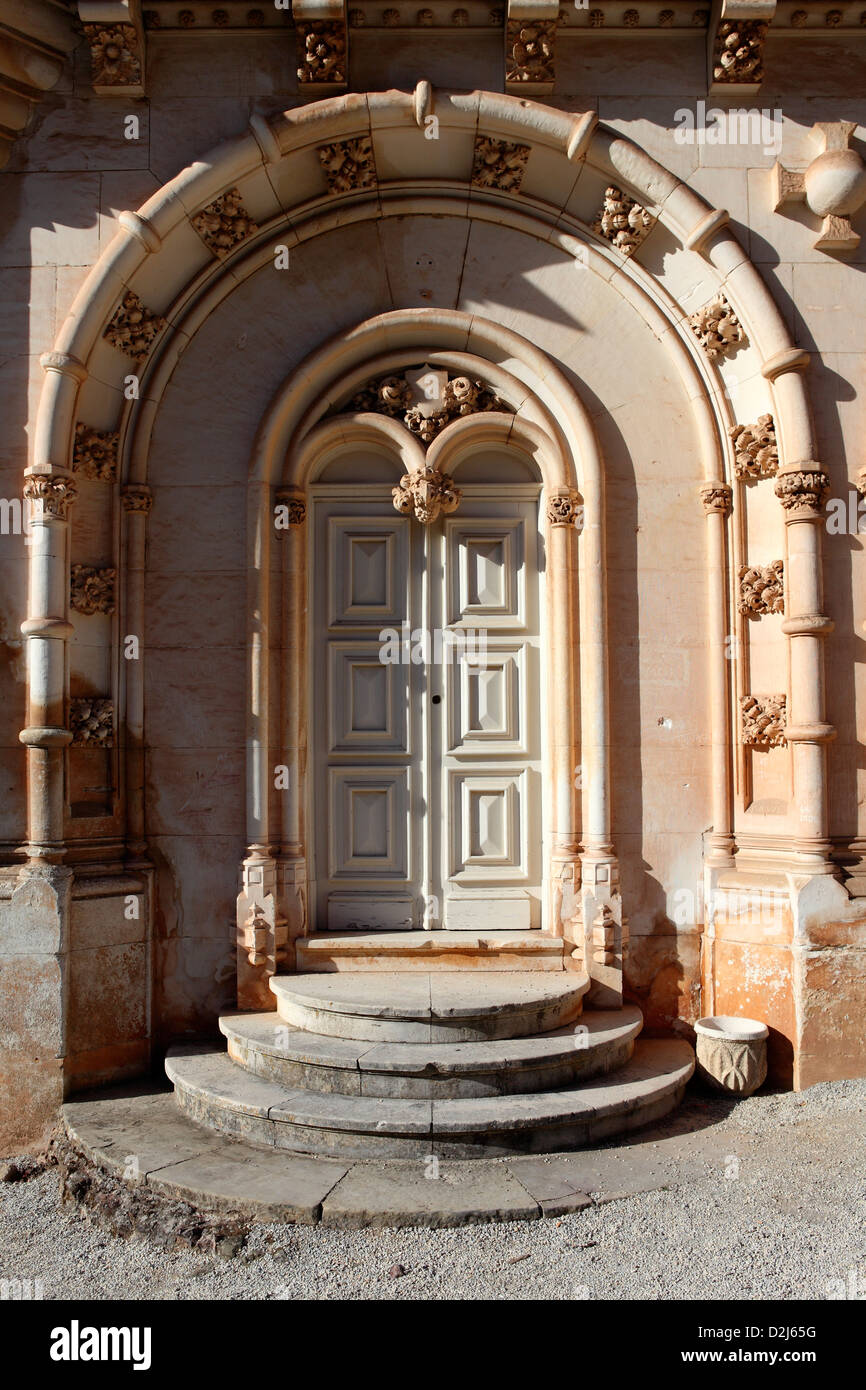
(773, 1206)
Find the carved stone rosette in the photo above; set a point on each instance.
(91, 721)
(94, 453)
(49, 495)
(349, 165)
(115, 55)
(321, 51)
(738, 52)
(224, 223)
(498, 164)
(564, 507)
(762, 589)
(803, 491)
(530, 52)
(717, 328)
(133, 327)
(394, 396)
(622, 221)
(716, 497)
(91, 590)
(763, 720)
(425, 494)
(136, 499)
(756, 452)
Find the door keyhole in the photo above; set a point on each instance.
(437, 699)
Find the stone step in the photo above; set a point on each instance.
(458, 1006)
(599, 1043)
(423, 951)
(216, 1093)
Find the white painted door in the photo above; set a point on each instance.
(425, 675)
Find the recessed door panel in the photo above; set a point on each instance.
(368, 700)
(369, 820)
(368, 568)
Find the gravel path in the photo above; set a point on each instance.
(765, 1199)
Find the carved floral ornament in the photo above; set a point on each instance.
(804, 490)
(115, 55)
(498, 164)
(91, 720)
(92, 590)
(425, 494)
(717, 328)
(756, 452)
(762, 589)
(622, 221)
(763, 720)
(224, 223)
(94, 453)
(738, 55)
(716, 497)
(321, 51)
(529, 51)
(427, 399)
(564, 508)
(133, 327)
(348, 164)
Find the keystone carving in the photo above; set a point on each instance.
(427, 400)
(622, 221)
(762, 589)
(756, 453)
(49, 495)
(92, 590)
(426, 493)
(764, 718)
(348, 165)
(804, 490)
(529, 53)
(94, 453)
(499, 164)
(321, 51)
(224, 223)
(116, 53)
(92, 722)
(717, 328)
(133, 327)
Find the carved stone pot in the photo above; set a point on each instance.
(732, 1053)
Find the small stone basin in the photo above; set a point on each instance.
(731, 1053)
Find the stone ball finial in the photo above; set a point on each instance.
(835, 183)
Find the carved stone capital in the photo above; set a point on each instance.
(49, 495)
(763, 720)
(224, 223)
(425, 494)
(133, 327)
(622, 221)
(91, 720)
(756, 452)
(291, 510)
(716, 497)
(349, 165)
(94, 453)
(564, 507)
(91, 590)
(803, 491)
(762, 589)
(136, 498)
(498, 164)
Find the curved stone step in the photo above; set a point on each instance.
(216, 1093)
(598, 1043)
(416, 1008)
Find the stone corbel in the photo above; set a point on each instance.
(833, 186)
(322, 43)
(115, 35)
(530, 46)
(735, 52)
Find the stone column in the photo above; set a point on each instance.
(564, 514)
(716, 499)
(136, 501)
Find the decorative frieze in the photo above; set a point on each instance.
(425, 493)
(91, 590)
(94, 453)
(762, 589)
(349, 165)
(716, 497)
(136, 498)
(224, 223)
(564, 507)
(116, 58)
(91, 720)
(763, 720)
(803, 490)
(498, 164)
(738, 52)
(322, 56)
(133, 327)
(622, 221)
(717, 328)
(49, 495)
(530, 54)
(427, 399)
(756, 452)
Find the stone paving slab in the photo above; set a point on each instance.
(263, 1186)
(380, 1195)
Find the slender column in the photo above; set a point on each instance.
(563, 514)
(716, 498)
(136, 502)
